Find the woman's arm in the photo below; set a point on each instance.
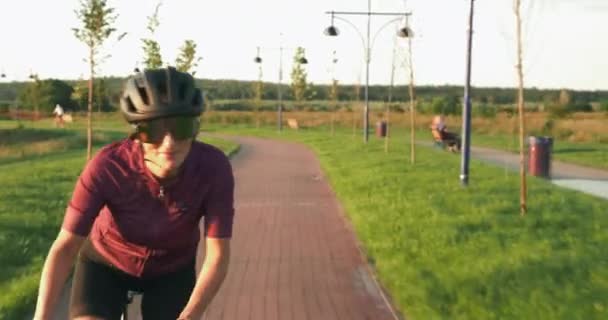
(213, 273)
(55, 272)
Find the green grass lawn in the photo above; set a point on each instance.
(448, 252)
(34, 194)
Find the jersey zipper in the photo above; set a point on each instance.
(161, 193)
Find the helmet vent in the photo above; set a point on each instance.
(144, 95)
(162, 92)
(130, 104)
(196, 98)
(182, 93)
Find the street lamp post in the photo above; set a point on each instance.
(332, 31)
(466, 114)
(258, 59)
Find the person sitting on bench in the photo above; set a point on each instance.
(442, 135)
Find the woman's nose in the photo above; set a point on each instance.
(168, 141)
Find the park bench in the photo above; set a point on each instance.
(452, 144)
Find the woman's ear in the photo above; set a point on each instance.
(133, 137)
(197, 127)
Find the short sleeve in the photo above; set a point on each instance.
(87, 199)
(218, 206)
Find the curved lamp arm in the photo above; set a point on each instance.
(382, 28)
(356, 29)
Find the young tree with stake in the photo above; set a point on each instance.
(97, 20)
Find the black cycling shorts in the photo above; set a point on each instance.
(100, 290)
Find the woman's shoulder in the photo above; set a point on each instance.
(210, 152)
(119, 151)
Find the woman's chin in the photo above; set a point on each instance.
(167, 169)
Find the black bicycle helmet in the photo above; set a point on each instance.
(160, 93)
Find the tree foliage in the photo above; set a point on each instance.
(152, 56)
(46, 94)
(97, 20)
(237, 89)
(258, 86)
(299, 85)
(101, 96)
(564, 98)
(333, 92)
(445, 105)
(187, 60)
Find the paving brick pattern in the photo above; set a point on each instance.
(294, 256)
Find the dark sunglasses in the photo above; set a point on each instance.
(154, 131)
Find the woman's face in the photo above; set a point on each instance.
(164, 159)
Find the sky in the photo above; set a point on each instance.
(564, 41)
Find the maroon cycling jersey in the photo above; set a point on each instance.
(144, 227)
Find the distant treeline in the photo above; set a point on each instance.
(72, 94)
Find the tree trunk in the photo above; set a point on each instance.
(520, 108)
(333, 115)
(390, 97)
(412, 104)
(388, 111)
(90, 107)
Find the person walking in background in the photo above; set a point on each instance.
(133, 221)
(59, 113)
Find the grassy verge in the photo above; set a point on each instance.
(34, 194)
(448, 252)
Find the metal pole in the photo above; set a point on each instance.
(367, 59)
(280, 107)
(466, 113)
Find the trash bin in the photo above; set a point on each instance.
(381, 129)
(539, 156)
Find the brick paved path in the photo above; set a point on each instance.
(293, 255)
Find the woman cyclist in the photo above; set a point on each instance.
(133, 219)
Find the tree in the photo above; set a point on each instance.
(300, 88)
(100, 95)
(46, 94)
(520, 107)
(258, 91)
(97, 20)
(152, 56)
(412, 100)
(564, 98)
(187, 60)
(333, 97)
(333, 91)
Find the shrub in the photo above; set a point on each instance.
(579, 107)
(484, 111)
(558, 111)
(604, 106)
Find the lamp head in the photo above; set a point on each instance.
(331, 31)
(405, 32)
